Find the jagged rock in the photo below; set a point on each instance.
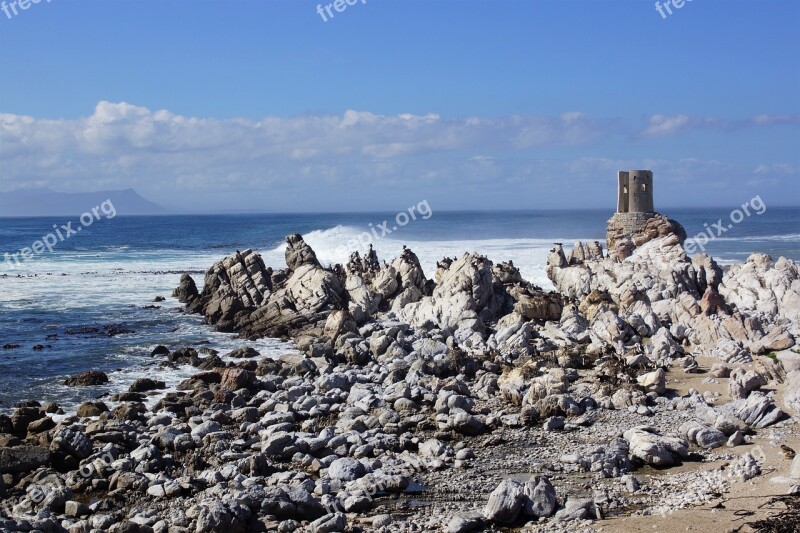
(73, 442)
(663, 347)
(338, 323)
(709, 273)
(513, 336)
(298, 253)
(304, 303)
(237, 283)
(731, 352)
(622, 237)
(757, 410)
(759, 284)
(186, 291)
(535, 304)
(792, 394)
(464, 297)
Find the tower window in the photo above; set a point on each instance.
(644, 186)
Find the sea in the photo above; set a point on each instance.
(90, 303)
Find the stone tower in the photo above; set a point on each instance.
(634, 208)
(635, 191)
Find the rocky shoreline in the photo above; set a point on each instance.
(647, 382)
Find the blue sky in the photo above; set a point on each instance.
(469, 104)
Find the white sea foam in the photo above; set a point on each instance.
(333, 246)
(788, 237)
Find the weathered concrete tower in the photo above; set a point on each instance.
(635, 191)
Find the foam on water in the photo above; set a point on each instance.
(334, 245)
(78, 289)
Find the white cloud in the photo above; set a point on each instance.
(663, 125)
(243, 162)
(776, 168)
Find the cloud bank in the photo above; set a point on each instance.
(351, 161)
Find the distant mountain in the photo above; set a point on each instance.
(46, 202)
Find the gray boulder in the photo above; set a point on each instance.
(506, 502)
(541, 502)
(346, 469)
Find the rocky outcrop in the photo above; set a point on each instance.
(628, 231)
(772, 288)
(657, 286)
(241, 294)
(449, 385)
(464, 297)
(186, 292)
(298, 253)
(233, 287)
